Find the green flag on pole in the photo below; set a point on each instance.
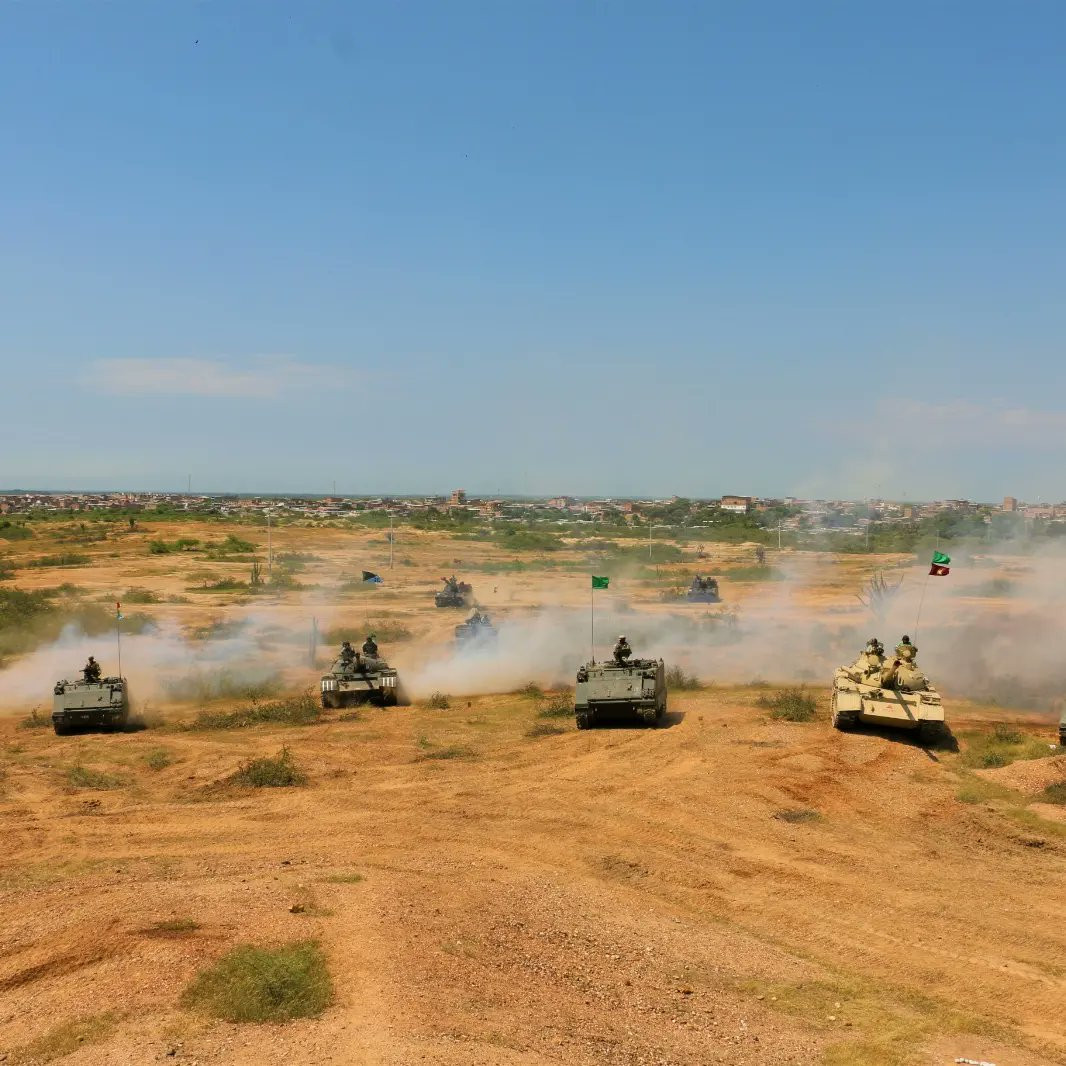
(600, 582)
(939, 567)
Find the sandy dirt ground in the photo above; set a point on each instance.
(726, 888)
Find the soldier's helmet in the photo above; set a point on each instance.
(621, 636)
(346, 644)
(906, 639)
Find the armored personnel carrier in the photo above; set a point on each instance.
(360, 679)
(703, 590)
(101, 703)
(454, 594)
(611, 690)
(892, 693)
(476, 631)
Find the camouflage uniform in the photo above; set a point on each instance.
(622, 650)
(906, 651)
(370, 647)
(347, 653)
(91, 670)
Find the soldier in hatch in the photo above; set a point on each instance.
(347, 655)
(91, 670)
(370, 647)
(622, 650)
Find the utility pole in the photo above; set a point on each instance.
(270, 553)
(780, 525)
(392, 542)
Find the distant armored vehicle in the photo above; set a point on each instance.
(476, 631)
(454, 594)
(630, 688)
(892, 693)
(95, 703)
(703, 590)
(355, 678)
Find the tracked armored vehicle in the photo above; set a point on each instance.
(703, 590)
(893, 694)
(476, 632)
(612, 690)
(90, 704)
(361, 679)
(454, 594)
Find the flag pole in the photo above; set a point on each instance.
(592, 618)
(118, 634)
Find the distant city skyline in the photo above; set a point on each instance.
(536, 248)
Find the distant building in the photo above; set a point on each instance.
(457, 498)
(1010, 503)
(561, 502)
(736, 504)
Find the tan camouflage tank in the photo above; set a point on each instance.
(887, 692)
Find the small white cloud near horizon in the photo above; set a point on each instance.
(264, 377)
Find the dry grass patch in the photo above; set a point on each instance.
(86, 777)
(790, 705)
(66, 1038)
(278, 771)
(545, 729)
(1004, 745)
(252, 984)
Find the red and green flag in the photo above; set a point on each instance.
(940, 567)
(600, 582)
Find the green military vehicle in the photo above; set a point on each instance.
(455, 593)
(476, 632)
(891, 693)
(635, 688)
(99, 703)
(360, 679)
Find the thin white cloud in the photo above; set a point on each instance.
(903, 424)
(261, 378)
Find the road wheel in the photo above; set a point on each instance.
(582, 719)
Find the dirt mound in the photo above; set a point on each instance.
(1030, 775)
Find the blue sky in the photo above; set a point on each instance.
(617, 248)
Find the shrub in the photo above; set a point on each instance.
(1006, 735)
(453, 751)
(35, 720)
(303, 709)
(560, 705)
(252, 984)
(280, 771)
(439, 701)
(10, 531)
(158, 759)
(139, 595)
(544, 729)
(798, 816)
(7, 568)
(676, 678)
(789, 704)
(175, 926)
(532, 690)
(62, 559)
(1055, 793)
(85, 777)
(1001, 747)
